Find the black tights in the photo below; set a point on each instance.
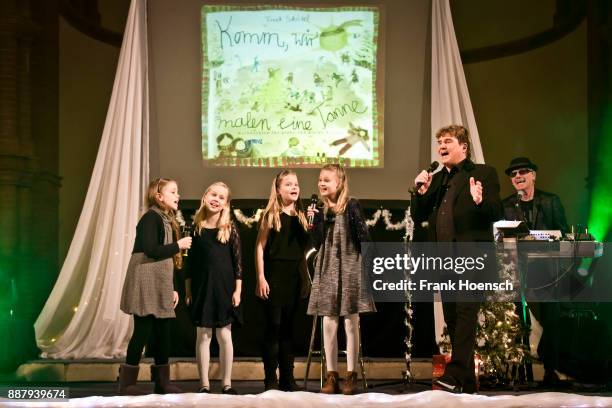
(278, 340)
(143, 326)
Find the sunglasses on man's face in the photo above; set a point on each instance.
(520, 172)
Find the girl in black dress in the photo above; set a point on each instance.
(280, 265)
(214, 282)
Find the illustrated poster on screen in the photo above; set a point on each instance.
(290, 86)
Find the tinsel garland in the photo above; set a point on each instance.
(385, 214)
(248, 221)
(179, 218)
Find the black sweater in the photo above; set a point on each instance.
(150, 235)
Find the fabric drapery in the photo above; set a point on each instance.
(450, 99)
(81, 318)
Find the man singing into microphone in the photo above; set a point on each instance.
(541, 211)
(460, 203)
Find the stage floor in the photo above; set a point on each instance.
(109, 389)
(91, 383)
(103, 394)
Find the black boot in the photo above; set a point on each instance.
(270, 382)
(270, 363)
(128, 375)
(160, 374)
(287, 381)
(552, 381)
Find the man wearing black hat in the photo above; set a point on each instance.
(541, 211)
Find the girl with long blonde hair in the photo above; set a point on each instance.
(148, 290)
(280, 250)
(214, 282)
(339, 286)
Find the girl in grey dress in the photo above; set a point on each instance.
(340, 288)
(148, 290)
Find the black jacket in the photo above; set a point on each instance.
(472, 223)
(358, 228)
(549, 212)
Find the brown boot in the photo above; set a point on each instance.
(128, 375)
(350, 384)
(331, 383)
(160, 374)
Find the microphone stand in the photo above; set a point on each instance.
(527, 365)
(407, 377)
(517, 205)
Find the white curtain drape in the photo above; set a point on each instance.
(81, 318)
(450, 99)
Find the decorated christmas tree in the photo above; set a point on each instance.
(499, 345)
(499, 334)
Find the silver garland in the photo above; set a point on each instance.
(385, 214)
(408, 306)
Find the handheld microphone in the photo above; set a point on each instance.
(520, 194)
(314, 199)
(432, 167)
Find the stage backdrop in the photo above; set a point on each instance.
(196, 108)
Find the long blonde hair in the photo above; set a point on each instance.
(343, 188)
(224, 223)
(155, 187)
(271, 215)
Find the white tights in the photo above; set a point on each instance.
(226, 354)
(330, 341)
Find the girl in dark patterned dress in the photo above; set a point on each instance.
(214, 282)
(339, 286)
(280, 265)
(148, 291)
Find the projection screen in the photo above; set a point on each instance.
(291, 86)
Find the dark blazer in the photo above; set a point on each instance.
(549, 212)
(471, 222)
